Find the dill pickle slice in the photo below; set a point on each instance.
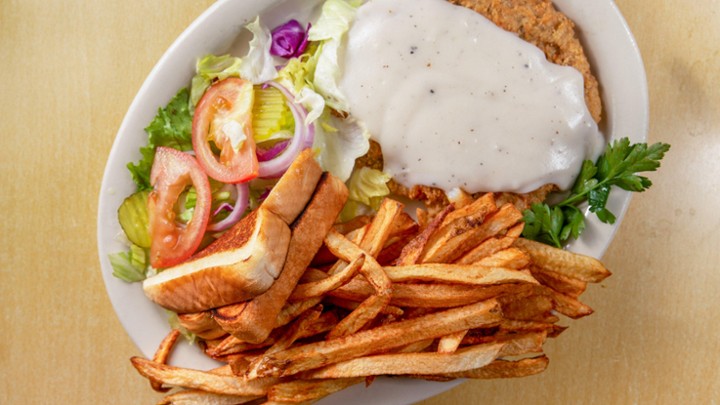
(133, 218)
(270, 114)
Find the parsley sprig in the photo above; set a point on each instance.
(618, 166)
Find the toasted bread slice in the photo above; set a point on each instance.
(252, 321)
(241, 264)
(292, 192)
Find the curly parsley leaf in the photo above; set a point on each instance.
(618, 166)
(171, 127)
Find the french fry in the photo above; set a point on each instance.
(233, 345)
(297, 330)
(516, 345)
(505, 369)
(411, 363)
(581, 267)
(161, 356)
(486, 248)
(427, 295)
(535, 307)
(352, 305)
(379, 230)
(455, 300)
(449, 250)
(376, 340)
(300, 391)
(559, 282)
(451, 342)
(199, 397)
(322, 287)
(568, 306)
(470, 215)
(512, 257)
(361, 316)
(457, 274)
(371, 307)
(411, 253)
(206, 381)
(293, 309)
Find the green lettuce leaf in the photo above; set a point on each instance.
(171, 127)
(258, 66)
(130, 266)
(338, 142)
(209, 68)
(334, 21)
(368, 186)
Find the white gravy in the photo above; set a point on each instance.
(456, 102)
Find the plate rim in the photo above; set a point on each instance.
(108, 198)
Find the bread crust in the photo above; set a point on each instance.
(292, 192)
(240, 265)
(252, 321)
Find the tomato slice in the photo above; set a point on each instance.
(224, 117)
(172, 173)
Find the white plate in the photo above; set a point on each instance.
(613, 54)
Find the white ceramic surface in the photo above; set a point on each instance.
(613, 54)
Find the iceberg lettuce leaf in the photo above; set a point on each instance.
(339, 141)
(258, 66)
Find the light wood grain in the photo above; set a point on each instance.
(68, 73)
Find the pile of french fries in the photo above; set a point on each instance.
(455, 295)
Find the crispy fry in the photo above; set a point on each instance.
(448, 250)
(376, 340)
(412, 363)
(451, 342)
(462, 295)
(411, 253)
(322, 287)
(581, 267)
(206, 381)
(361, 316)
(300, 391)
(512, 257)
(232, 345)
(427, 295)
(352, 305)
(457, 274)
(505, 369)
(161, 356)
(559, 282)
(568, 306)
(379, 231)
(516, 345)
(470, 215)
(199, 397)
(371, 307)
(292, 310)
(486, 248)
(297, 330)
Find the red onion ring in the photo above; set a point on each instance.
(264, 155)
(302, 139)
(241, 203)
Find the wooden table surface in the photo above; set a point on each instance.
(68, 72)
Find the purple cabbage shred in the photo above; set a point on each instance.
(289, 40)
